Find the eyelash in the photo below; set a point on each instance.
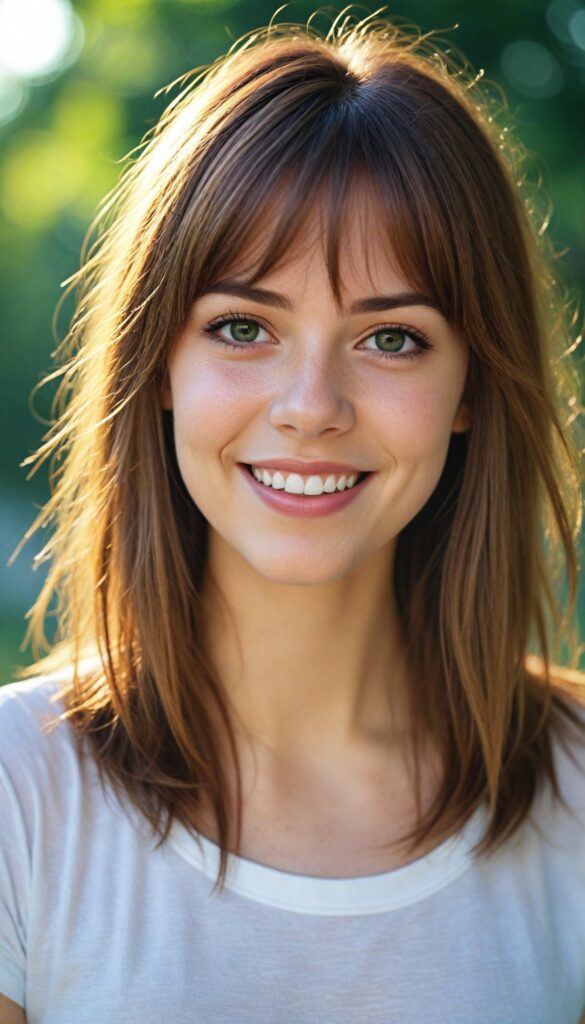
(416, 335)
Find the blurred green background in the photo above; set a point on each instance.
(77, 93)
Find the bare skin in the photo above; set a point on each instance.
(10, 1012)
(342, 822)
(300, 613)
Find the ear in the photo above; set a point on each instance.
(462, 421)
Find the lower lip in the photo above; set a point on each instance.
(309, 507)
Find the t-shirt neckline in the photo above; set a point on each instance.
(306, 894)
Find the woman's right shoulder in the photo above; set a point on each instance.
(26, 704)
(33, 739)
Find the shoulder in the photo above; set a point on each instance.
(557, 811)
(27, 708)
(23, 702)
(566, 729)
(568, 745)
(36, 746)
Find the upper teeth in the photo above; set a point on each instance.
(293, 483)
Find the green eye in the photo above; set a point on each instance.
(243, 330)
(390, 342)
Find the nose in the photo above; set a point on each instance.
(312, 397)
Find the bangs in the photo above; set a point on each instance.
(354, 220)
(326, 166)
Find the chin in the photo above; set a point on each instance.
(298, 570)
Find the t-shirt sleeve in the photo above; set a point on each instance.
(14, 874)
(22, 768)
(31, 768)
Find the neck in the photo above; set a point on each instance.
(308, 671)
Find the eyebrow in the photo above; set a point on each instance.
(373, 304)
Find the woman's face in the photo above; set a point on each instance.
(311, 381)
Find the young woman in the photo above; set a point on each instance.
(302, 750)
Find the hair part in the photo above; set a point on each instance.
(367, 112)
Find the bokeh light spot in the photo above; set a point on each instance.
(558, 16)
(532, 69)
(35, 35)
(577, 28)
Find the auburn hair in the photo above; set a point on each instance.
(290, 120)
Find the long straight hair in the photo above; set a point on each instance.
(291, 121)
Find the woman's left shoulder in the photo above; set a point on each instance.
(568, 744)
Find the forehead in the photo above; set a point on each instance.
(360, 235)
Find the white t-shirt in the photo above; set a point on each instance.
(98, 927)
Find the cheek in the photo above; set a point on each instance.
(415, 423)
(211, 407)
(415, 418)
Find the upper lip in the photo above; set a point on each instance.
(305, 468)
